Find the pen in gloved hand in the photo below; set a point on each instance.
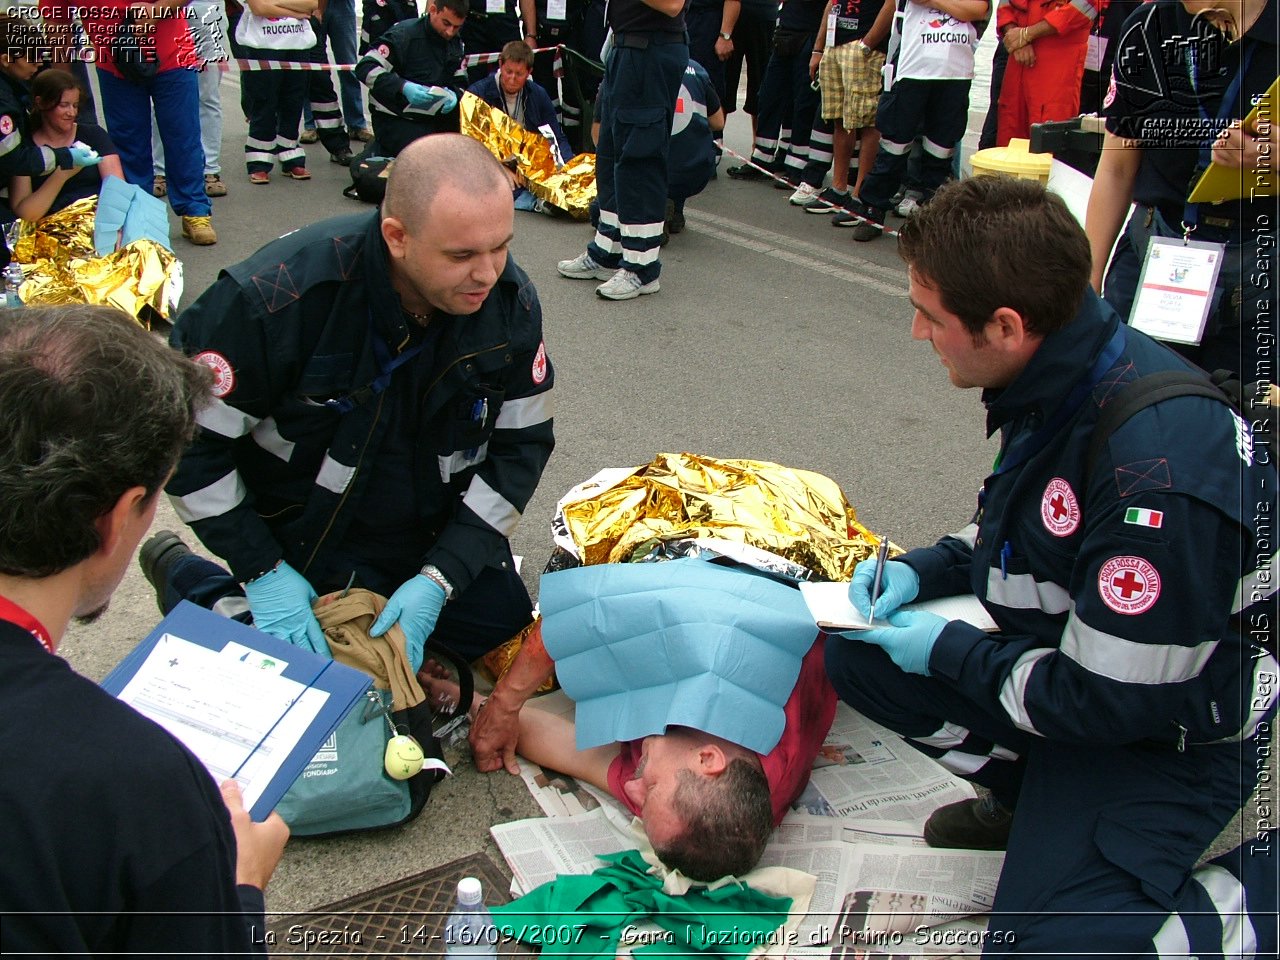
(882, 557)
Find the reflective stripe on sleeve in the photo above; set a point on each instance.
(1128, 661)
(1013, 692)
(967, 535)
(221, 496)
(525, 411)
(267, 435)
(334, 476)
(455, 463)
(950, 735)
(491, 507)
(225, 420)
(1022, 591)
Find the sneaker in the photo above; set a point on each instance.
(298, 173)
(582, 267)
(360, 134)
(909, 204)
(259, 176)
(843, 218)
(309, 136)
(625, 285)
(341, 156)
(871, 228)
(804, 193)
(981, 824)
(157, 556)
(199, 230)
(828, 200)
(158, 187)
(213, 185)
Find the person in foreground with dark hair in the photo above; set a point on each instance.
(117, 841)
(1119, 715)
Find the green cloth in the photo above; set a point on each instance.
(584, 916)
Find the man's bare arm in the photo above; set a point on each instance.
(494, 732)
(548, 740)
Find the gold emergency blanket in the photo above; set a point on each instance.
(796, 514)
(571, 188)
(61, 267)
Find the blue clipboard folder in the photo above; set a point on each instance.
(262, 658)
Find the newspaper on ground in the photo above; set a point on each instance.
(866, 771)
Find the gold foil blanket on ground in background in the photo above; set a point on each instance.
(571, 188)
(61, 267)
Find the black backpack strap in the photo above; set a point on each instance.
(1142, 393)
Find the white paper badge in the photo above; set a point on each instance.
(1093, 54)
(495, 6)
(1059, 508)
(1175, 290)
(558, 10)
(1128, 585)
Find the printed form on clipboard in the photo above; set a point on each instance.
(829, 604)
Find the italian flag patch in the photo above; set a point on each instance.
(1144, 518)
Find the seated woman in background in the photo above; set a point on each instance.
(55, 95)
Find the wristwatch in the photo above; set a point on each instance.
(432, 572)
(726, 36)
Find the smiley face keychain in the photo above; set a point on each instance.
(403, 757)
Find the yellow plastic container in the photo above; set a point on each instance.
(1015, 160)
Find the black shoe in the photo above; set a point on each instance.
(341, 156)
(981, 824)
(675, 218)
(788, 180)
(746, 172)
(155, 558)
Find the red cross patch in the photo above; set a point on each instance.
(6, 125)
(1110, 98)
(224, 378)
(1128, 585)
(1059, 508)
(539, 371)
(384, 50)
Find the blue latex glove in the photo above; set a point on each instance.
(281, 605)
(416, 605)
(418, 95)
(909, 640)
(84, 157)
(900, 584)
(450, 101)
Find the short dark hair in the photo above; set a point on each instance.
(517, 51)
(993, 241)
(727, 822)
(94, 405)
(457, 7)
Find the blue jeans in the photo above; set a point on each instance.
(339, 25)
(210, 80)
(175, 96)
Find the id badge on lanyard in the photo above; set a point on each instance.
(495, 6)
(1175, 290)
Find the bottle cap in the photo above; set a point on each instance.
(469, 891)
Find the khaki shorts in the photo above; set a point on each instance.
(849, 76)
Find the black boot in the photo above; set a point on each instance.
(981, 824)
(157, 556)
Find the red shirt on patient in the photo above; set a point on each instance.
(808, 712)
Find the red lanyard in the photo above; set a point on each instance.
(16, 615)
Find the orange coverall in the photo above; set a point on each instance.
(1049, 90)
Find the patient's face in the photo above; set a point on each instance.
(654, 786)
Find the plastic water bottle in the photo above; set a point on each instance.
(470, 931)
(12, 282)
